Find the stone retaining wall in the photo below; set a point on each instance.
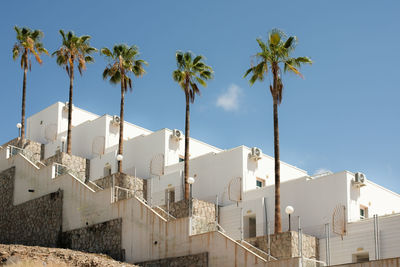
(196, 260)
(285, 245)
(125, 181)
(76, 165)
(102, 238)
(32, 150)
(37, 222)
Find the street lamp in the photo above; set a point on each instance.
(190, 181)
(289, 210)
(63, 139)
(120, 157)
(19, 126)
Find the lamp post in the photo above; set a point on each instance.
(119, 159)
(190, 181)
(289, 210)
(63, 139)
(19, 126)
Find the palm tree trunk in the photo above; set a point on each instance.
(23, 103)
(71, 90)
(278, 225)
(121, 125)
(186, 167)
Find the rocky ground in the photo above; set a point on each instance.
(27, 256)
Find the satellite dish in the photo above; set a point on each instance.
(50, 132)
(98, 145)
(157, 165)
(235, 189)
(339, 220)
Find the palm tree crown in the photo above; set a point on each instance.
(28, 42)
(74, 48)
(274, 53)
(123, 61)
(189, 71)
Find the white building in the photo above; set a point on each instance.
(241, 178)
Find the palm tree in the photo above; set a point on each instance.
(74, 49)
(28, 43)
(275, 53)
(123, 60)
(190, 70)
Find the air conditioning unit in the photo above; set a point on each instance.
(177, 134)
(359, 179)
(116, 120)
(255, 153)
(66, 106)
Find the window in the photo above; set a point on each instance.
(363, 212)
(260, 182)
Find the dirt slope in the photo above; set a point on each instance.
(18, 255)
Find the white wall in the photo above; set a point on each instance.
(360, 239)
(265, 169)
(158, 185)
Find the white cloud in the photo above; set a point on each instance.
(321, 171)
(229, 100)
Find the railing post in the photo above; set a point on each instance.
(327, 244)
(241, 223)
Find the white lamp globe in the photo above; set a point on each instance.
(63, 138)
(190, 180)
(120, 157)
(19, 125)
(289, 210)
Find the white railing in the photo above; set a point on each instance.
(307, 262)
(262, 252)
(59, 169)
(13, 151)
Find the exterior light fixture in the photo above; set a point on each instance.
(63, 139)
(120, 157)
(190, 180)
(289, 210)
(19, 126)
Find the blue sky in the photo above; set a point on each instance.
(343, 116)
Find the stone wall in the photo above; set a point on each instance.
(102, 238)
(197, 260)
(285, 245)
(203, 217)
(36, 222)
(76, 165)
(180, 209)
(125, 181)
(32, 150)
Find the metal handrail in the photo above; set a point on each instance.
(168, 214)
(259, 250)
(313, 260)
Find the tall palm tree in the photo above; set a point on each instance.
(123, 60)
(274, 54)
(74, 49)
(190, 70)
(28, 43)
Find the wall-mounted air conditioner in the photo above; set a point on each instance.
(359, 179)
(116, 120)
(255, 153)
(177, 134)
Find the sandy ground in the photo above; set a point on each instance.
(27, 256)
